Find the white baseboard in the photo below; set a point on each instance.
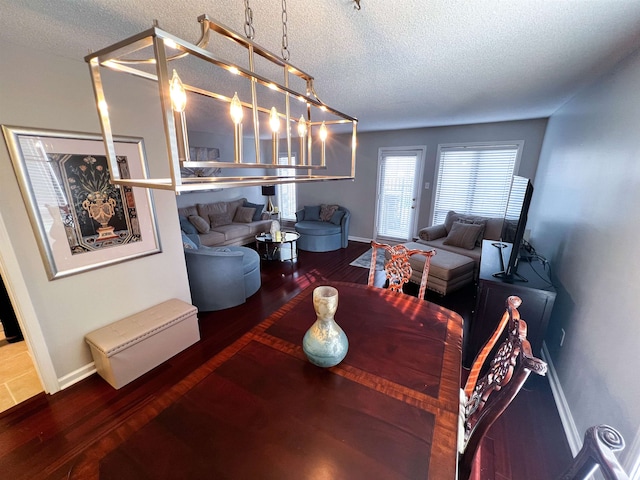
(570, 430)
(77, 375)
(360, 239)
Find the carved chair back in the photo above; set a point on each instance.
(597, 450)
(397, 268)
(495, 390)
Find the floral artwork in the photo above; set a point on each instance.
(81, 220)
(101, 216)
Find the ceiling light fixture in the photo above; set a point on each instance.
(146, 56)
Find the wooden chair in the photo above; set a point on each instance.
(597, 450)
(397, 268)
(495, 390)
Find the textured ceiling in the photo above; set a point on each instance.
(392, 64)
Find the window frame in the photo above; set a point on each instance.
(498, 145)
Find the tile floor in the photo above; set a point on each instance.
(18, 378)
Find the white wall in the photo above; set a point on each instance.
(359, 195)
(584, 219)
(41, 91)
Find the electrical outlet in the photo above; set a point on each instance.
(427, 185)
(562, 337)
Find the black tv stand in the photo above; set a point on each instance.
(537, 296)
(503, 271)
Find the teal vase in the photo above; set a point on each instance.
(325, 343)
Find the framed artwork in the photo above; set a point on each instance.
(81, 220)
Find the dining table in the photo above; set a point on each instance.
(260, 410)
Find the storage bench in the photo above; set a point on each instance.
(126, 349)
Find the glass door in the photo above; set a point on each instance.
(398, 193)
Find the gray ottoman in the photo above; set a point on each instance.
(448, 272)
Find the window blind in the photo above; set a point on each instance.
(474, 180)
(286, 191)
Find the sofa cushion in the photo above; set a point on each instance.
(482, 222)
(336, 218)
(453, 217)
(317, 228)
(233, 231)
(200, 223)
(212, 238)
(244, 215)
(206, 209)
(493, 230)
(219, 219)
(327, 211)
(186, 226)
(464, 235)
(312, 213)
(258, 212)
(474, 254)
(233, 205)
(187, 211)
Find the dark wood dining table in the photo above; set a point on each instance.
(260, 410)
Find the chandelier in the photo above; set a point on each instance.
(239, 99)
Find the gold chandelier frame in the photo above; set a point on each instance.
(118, 58)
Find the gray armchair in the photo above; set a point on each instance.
(220, 277)
(317, 235)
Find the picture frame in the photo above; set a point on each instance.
(81, 221)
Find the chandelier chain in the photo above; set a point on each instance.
(249, 30)
(285, 40)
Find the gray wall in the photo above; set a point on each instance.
(41, 91)
(583, 218)
(359, 195)
(225, 144)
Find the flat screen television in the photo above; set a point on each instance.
(515, 222)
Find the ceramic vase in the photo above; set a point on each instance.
(325, 343)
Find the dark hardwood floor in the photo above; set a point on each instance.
(46, 436)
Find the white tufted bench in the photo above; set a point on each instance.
(128, 348)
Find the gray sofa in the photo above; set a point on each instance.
(220, 277)
(235, 222)
(462, 234)
(322, 228)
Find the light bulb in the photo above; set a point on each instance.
(323, 132)
(236, 109)
(274, 120)
(302, 127)
(177, 93)
(104, 108)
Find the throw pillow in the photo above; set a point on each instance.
(312, 213)
(258, 206)
(187, 243)
(244, 215)
(219, 219)
(200, 223)
(336, 218)
(463, 235)
(186, 226)
(476, 222)
(326, 212)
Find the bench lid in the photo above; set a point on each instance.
(122, 334)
